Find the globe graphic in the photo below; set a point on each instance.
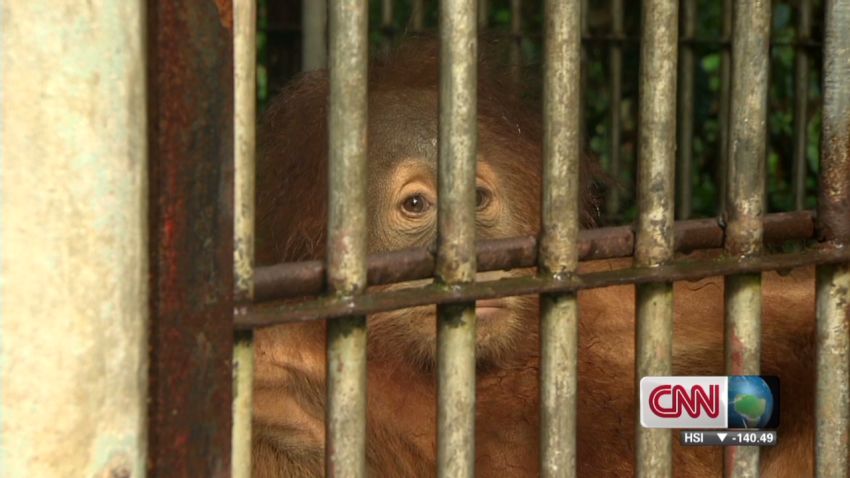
(750, 402)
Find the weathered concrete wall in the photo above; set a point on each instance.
(73, 262)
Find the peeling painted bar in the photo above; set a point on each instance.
(244, 130)
(654, 239)
(73, 219)
(745, 206)
(190, 112)
(314, 46)
(558, 245)
(685, 120)
(832, 403)
(345, 420)
(455, 264)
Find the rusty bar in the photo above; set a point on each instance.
(615, 54)
(685, 120)
(307, 278)
(417, 14)
(190, 114)
(244, 130)
(483, 14)
(345, 420)
(314, 45)
(834, 197)
(558, 244)
(832, 402)
(745, 188)
(801, 104)
(264, 315)
(654, 238)
(455, 264)
(725, 101)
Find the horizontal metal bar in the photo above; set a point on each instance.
(248, 316)
(296, 279)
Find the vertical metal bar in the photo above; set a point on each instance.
(346, 269)
(456, 262)
(483, 13)
(725, 100)
(314, 46)
(745, 201)
(387, 14)
(654, 239)
(832, 403)
(74, 266)
(616, 78)
(516, 40)
(418, 14)
(387, 23)
(801, 102)
(585, 12)
(558, 251)
(832, 412)
(190, 114)
(685, 121)
(244, 119)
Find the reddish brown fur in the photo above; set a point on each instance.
(289, 390)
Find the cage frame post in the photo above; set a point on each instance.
(74, 263)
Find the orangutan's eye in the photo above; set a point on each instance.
(482, 198)
(415, 205)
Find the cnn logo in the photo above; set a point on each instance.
(684, 402)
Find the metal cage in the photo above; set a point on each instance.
(205, 296)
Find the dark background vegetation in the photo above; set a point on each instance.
(279, 58)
